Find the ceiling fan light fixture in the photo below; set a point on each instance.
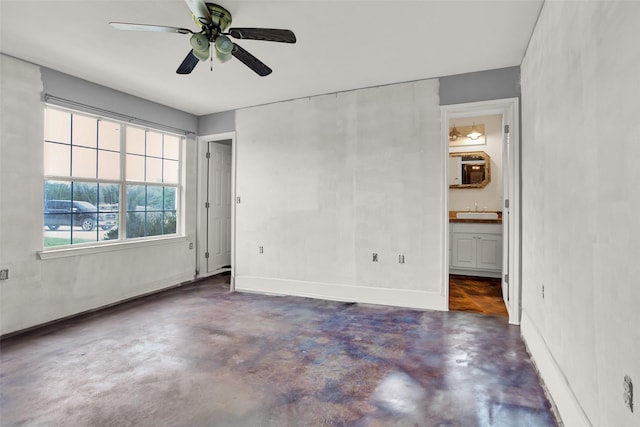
(224, 48)
(199, 42)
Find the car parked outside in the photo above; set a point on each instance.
(77, 214)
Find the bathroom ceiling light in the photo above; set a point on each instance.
(474, 134)
(454, 133)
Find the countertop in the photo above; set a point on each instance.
(452, 218)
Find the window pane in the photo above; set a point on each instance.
(84, 131)
(108, 165)
(170, 201)
(154, 144)
(155, 199)
(136, 198)
(84, 162)
(171, 147)
(135, 225)
(108, 212)
(87, 195)
(155, 223)
(171, 171)
(57, 190)
(57, 213)
(57, 159)
(108, 135)
(135, 167)
(154, 170)
(169, 223)
(57, 126)
(135, 140)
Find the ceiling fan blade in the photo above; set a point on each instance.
(250, 61)
(267, 34)
(188, 64)
(199, 10)
(146, 27)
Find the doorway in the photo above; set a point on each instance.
(215, 212)
(482, 248)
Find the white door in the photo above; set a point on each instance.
(218, 206)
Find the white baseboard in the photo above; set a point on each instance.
(348, 293)
(478, 273)
(567, 406)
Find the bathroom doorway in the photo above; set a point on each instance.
(475, 190)
(482, 167)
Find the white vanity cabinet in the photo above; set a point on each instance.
(475, 249)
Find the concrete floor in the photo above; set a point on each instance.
(201, 356)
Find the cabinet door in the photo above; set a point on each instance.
(489, 251)
(464, 250)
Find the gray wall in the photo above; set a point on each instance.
(84, 92)
(580, 204)
(216, 123)
(501, 83)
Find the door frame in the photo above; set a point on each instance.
(201, 210)
(509, 108)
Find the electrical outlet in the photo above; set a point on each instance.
(190, 245)
(375, 257)
(543, 291)
(261, 249)
(4, 274)
(401, 259)
(628, 392)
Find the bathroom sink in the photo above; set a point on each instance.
(477, 215)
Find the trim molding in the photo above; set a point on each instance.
(407, 298)
(154, 288)
(566, 404)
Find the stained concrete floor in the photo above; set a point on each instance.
(201, 356)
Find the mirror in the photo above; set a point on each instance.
(469, 169)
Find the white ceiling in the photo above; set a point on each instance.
(341, 45)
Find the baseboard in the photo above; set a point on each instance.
(340, 292)
(477, 273)
(567, 406)
(154, 288)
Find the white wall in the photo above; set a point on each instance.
(489, 197)
(580, 204)
(326, 181)
(38, 290)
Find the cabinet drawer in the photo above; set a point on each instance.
(466, 227)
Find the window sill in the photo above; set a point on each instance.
(108, 247)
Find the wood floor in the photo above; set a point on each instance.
(476, 295)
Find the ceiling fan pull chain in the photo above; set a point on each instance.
(210, 56)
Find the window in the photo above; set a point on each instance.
(106, 180)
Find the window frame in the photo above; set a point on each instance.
(122, 184)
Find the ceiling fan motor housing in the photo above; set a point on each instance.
(220, 17)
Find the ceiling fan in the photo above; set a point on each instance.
(213, 21)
